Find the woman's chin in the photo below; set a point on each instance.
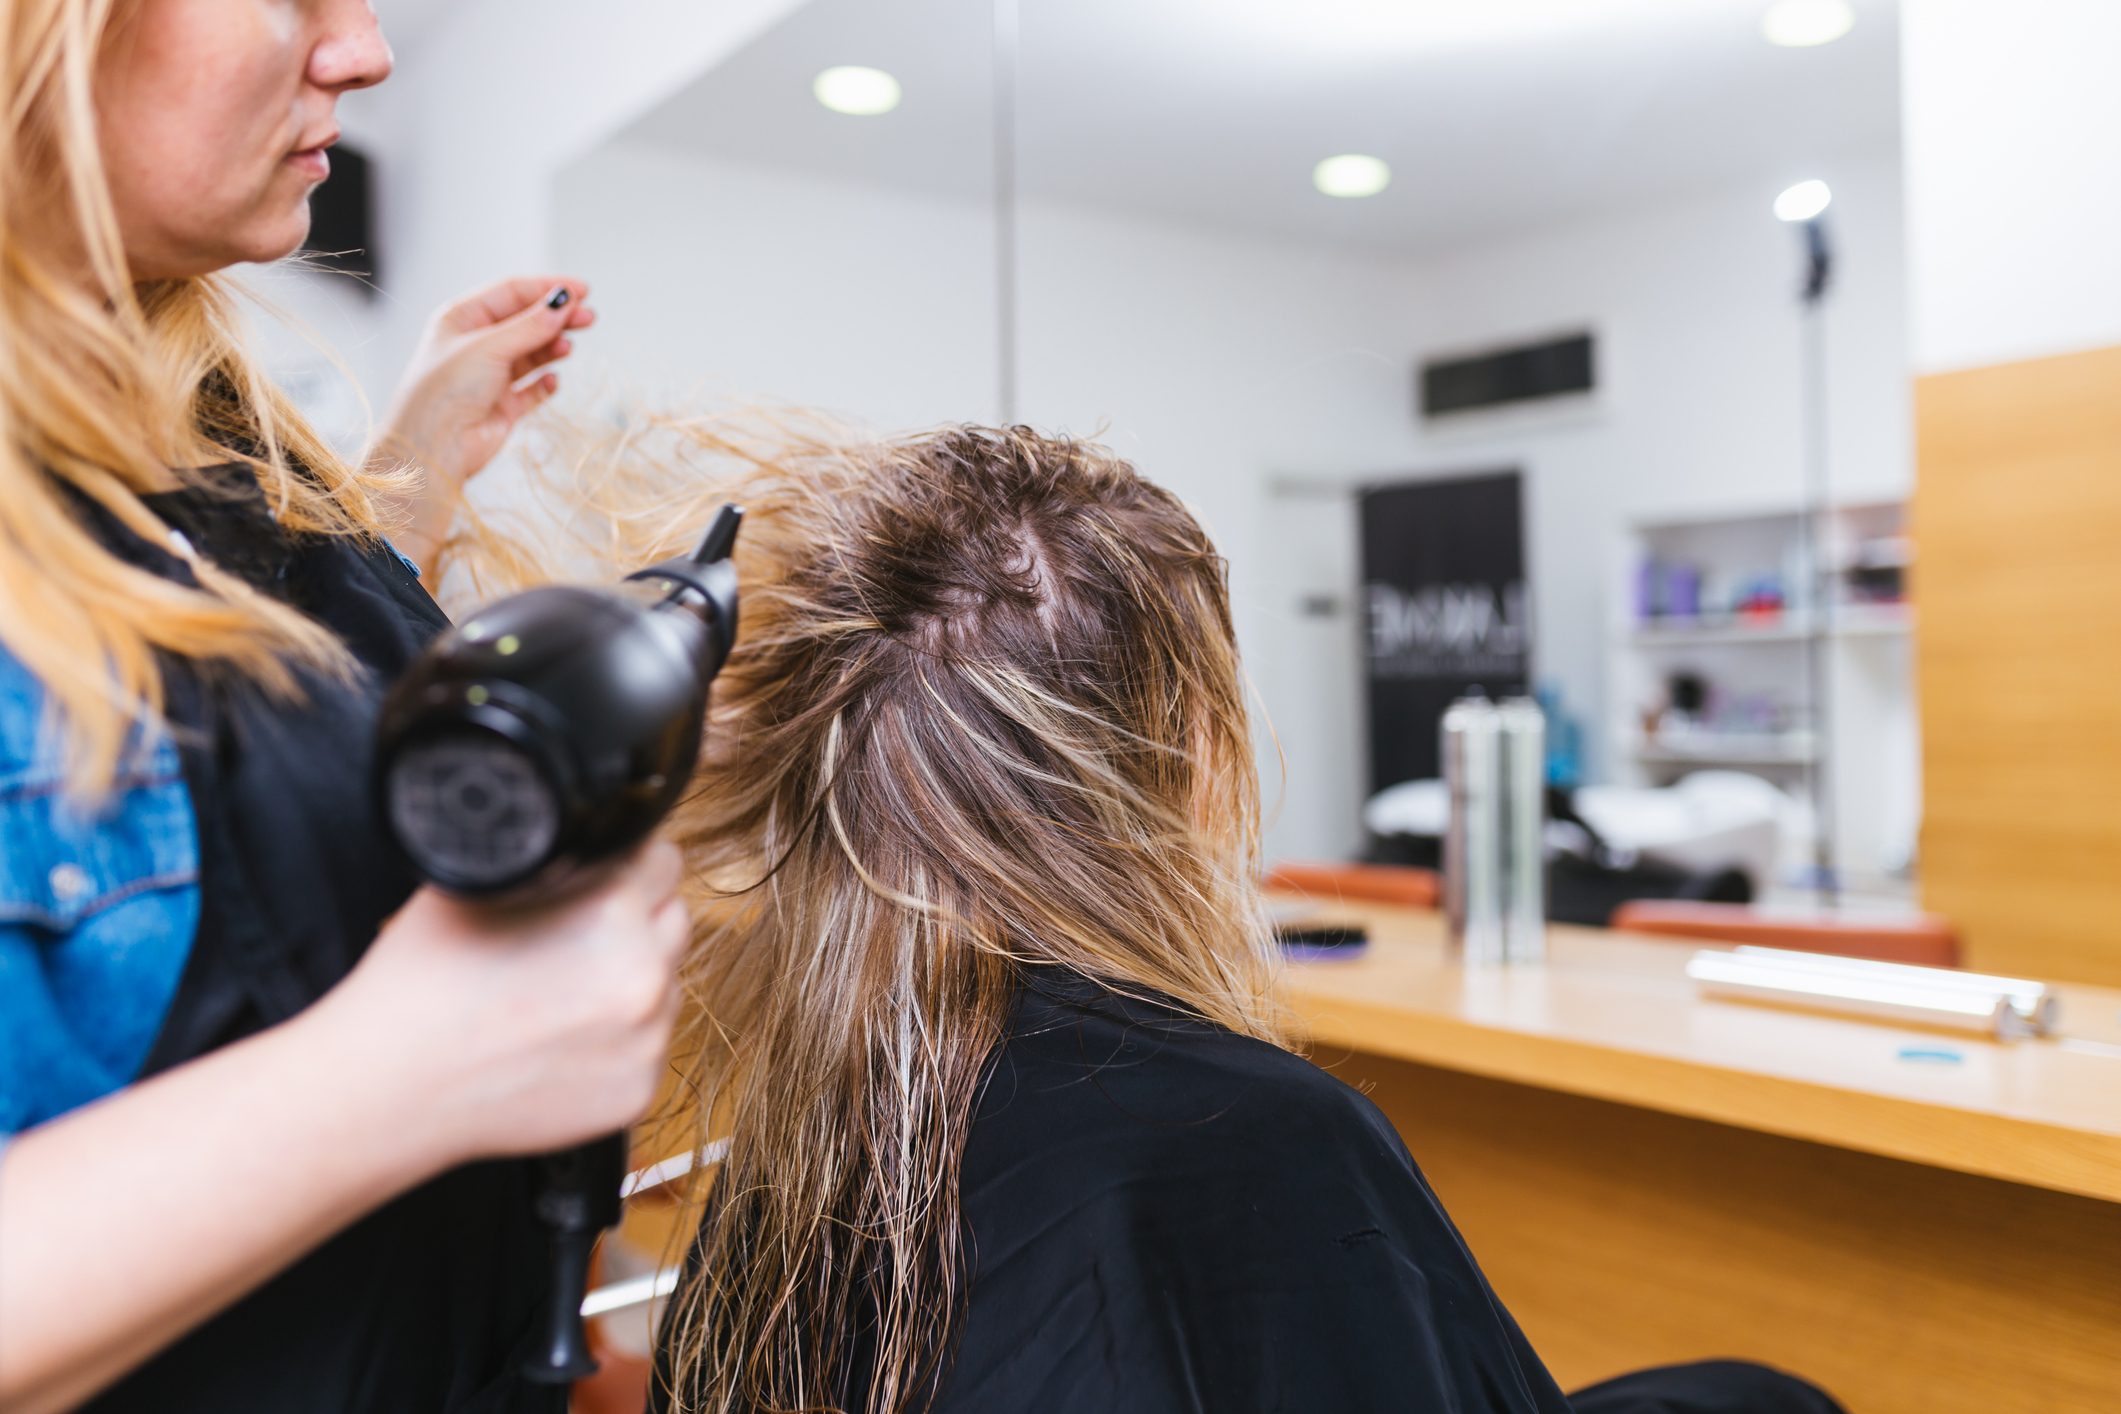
(267, 242)
(273, 229)
(285, 237)
(260, 244)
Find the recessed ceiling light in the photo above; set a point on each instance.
(1800, 24)
(1351, 174)
(856, 91)
(1803, 201)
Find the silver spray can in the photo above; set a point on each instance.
(1524, 794)
(1472, 845)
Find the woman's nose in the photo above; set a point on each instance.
(350, 51)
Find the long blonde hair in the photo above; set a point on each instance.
(984, 712)
(110, 389)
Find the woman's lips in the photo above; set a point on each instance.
(311, 162)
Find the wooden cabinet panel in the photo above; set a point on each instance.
(1620, 1238)
(2017, 526)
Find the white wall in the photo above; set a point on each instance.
(2012, 123)
(732, 284)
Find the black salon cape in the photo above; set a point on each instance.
(1166, 1218)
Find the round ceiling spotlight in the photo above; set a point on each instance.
(1351, 174)
(1803, 201)
(856, 91)
(1801, 24)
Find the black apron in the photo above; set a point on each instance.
(428, 1303)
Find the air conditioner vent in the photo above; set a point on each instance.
(1508, 377)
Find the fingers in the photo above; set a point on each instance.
(521, 334)
(505, 299)
(539, 357)
(519, 403)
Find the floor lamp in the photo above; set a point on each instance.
(1804, 206)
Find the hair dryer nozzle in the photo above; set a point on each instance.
(720, 538)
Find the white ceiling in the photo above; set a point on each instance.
(1494, 114)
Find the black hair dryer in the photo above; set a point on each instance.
(546, 735)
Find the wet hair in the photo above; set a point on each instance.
(985, 714)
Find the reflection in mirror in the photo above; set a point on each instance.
(1473, 334)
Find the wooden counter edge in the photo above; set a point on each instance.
(1993, 1146)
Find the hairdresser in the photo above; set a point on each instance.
(262, 1103)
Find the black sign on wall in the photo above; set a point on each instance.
(1446, 610)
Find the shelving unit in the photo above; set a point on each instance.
(1848, 621)
(1703, 749)
(1754, 664)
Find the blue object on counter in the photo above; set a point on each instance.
(1326, 942)
(1564, 739)
(1932, 1055)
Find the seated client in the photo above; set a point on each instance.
(989, 1008)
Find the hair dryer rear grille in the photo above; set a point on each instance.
(472, 810)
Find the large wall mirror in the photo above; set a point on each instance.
(1228, 239)
(1245, 229)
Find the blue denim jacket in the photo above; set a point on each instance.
(97, 910)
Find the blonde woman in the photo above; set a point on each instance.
(245, 1069)
(988, 1008)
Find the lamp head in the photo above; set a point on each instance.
(1803, 202)
(1804, 205)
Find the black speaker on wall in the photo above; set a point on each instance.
(342, 232)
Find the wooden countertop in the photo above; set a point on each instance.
(1613, 1017)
